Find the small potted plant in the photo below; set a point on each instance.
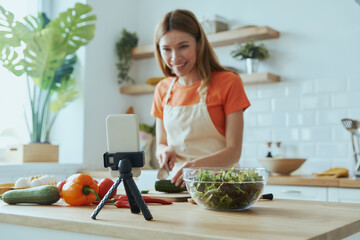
(124, 49)
(252, 53)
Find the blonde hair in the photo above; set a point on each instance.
(185, 21)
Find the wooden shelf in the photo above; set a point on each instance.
(259, 78)
(137, 89)
(248, 79)
(220, 39)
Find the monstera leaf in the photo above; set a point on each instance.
(11, 61)
(63, 73)
(77, 19)
(43, 57)
(7, 36)
(65, 93)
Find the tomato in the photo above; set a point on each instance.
(60, 186)
(104, 186)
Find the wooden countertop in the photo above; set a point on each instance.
(277, 219)
(296, 180)
(314, 181)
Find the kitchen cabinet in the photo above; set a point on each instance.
(298, 192)
(248, 79)
(330, 194)
(345, 195)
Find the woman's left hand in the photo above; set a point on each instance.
(178, 177)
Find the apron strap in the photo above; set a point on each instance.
(169, 91)
(203, 95)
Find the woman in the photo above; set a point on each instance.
(199, 106)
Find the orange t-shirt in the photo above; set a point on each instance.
(225, 95)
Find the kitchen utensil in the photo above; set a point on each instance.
(353, 126)
(225, 189)
(281, 166)
(163, 172)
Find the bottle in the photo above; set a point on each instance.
(277, 151)
(269, 155)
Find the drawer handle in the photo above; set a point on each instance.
(291, 191)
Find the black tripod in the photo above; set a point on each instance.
(124, 162)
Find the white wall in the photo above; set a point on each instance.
(317, 57)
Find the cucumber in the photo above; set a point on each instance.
(43, 195)
(168, 187)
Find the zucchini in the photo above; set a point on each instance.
(168, 187)
(43, 195)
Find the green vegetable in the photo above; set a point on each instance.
(226, 189)
(168, 187)
(43, 195)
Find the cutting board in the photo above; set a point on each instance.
(172, 197)
(4, 187)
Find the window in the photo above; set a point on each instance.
(13, 90)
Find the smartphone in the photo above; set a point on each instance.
(122, 133)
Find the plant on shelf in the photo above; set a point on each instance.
(124, 49)
(44, 51)
(250, 50)
(252, 53)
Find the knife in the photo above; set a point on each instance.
(163, 172)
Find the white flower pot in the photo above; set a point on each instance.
(251, 65)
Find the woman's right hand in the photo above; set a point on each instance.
(167, 156)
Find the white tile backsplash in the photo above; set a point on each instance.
(307, 87)
(332, 150)
(270, 119)
(303, 118)
(333, 117)
(260, 135)
(315, 102)
(330, 85)
(286, 134)
(261, 105)
(286, 104)
(306, 117)
(315, 134)
(354, 83)
(354, 113)
(346, 100)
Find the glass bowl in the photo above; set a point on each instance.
(233, 189)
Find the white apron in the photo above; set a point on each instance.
(190, 131)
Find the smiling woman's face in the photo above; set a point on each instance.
(178, 51)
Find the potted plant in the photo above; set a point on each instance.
(124, 49)
(252, 53)
(44, 51)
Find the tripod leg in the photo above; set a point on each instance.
(133, 206)
(106, 198)
(135, 193)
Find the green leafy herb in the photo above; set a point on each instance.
(226, 189)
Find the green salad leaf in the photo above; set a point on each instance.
(226, 189)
